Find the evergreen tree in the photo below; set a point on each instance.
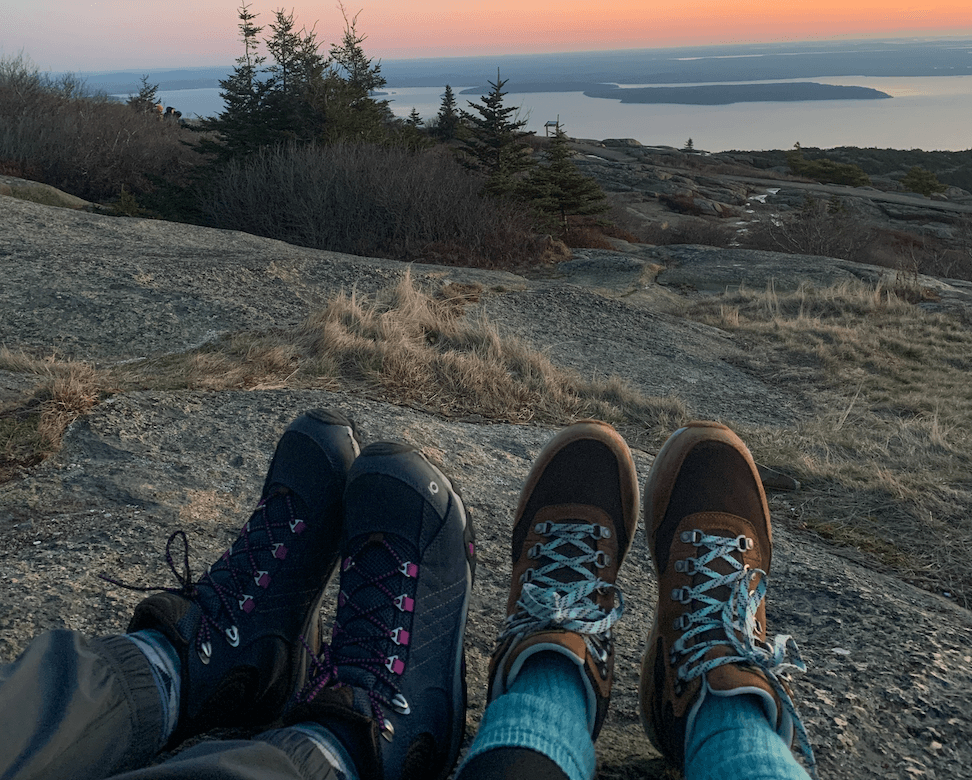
(241, 125)
(414, 118)
(689, 146)
(493, 146)
(447, 121)
(147, 98)
(922, 181)
(556, 189)
(344, 94)
(286, 109)
(302, 95)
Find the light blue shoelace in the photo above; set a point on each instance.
(547, 602)
(734, 622)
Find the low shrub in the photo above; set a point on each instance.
(917, 179)
(696, 231)
(369, 200)
(825, 228)
(55, 131)
(827, 171)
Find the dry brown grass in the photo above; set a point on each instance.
(405, 345)
(31, 427)
(408, 345)
(885, 460)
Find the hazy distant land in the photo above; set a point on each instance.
(708, 94)
(593, 70)
(588, 92)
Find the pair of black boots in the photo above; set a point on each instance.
(391, 681)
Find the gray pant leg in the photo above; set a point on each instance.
(77, 707)
(275, 755)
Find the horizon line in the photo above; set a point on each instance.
(879, 39)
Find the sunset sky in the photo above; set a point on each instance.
(122, 34)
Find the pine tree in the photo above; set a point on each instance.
(447, 121)
(286, 108)
(493, 146)
(922, 181)
(344, 95)
(414, 118)
(241, 125)
(147, 98)
(556, 189)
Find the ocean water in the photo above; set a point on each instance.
(924, 113)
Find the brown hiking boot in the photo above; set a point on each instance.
(711, 542)
(576, 518)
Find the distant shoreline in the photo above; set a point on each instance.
(707, 94)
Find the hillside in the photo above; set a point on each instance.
(184, 340)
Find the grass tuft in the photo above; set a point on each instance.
(885, 457)
(31, 428)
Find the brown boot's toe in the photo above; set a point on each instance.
(574, 525)
(711, 542)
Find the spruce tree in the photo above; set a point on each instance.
(147, 98)
(287, 112)
(345, 93)
(414, 118)
(494, 144)
(302, 96)
(447, 120)
(556, 189)
(240, 124)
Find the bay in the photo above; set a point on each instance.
(926, 112)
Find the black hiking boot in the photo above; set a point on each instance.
(238, 629)
(391, 685)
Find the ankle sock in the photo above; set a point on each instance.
(732, 738)
(544, 710)
(166, 669)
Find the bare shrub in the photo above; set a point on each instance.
(913, 253)
(674, 230)
(85, 144)
(826, 228)
(689, 231)
(588, 232)
(369, 200)
(681, 204)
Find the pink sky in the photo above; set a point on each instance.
(132, 34)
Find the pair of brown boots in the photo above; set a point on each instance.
(709, 531)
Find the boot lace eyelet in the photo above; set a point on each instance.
(693, 537)
(682, 595)
(686, 566)
(744, 543)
